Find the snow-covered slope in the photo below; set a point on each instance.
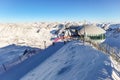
(18, 71)
(113, 36)
(74, 61)
(13, 52)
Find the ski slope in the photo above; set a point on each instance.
(74, 61)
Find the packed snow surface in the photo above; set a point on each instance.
(74, 61)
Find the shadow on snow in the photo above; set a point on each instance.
(20, 70)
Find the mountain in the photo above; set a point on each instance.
(71, 61)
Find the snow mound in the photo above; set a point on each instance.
(74, 61)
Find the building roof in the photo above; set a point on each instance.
(91, 30)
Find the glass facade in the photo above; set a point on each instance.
(95, 37)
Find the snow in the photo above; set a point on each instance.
(18, 71)
(114, 42)
(115, 77)
(113, 38)
(114, 26)
(11, 52)
(24, 34)
(74, 61)
(116, 71)
(91, 30)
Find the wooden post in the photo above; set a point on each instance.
(44, 44)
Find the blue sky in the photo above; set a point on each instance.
(59, 10)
